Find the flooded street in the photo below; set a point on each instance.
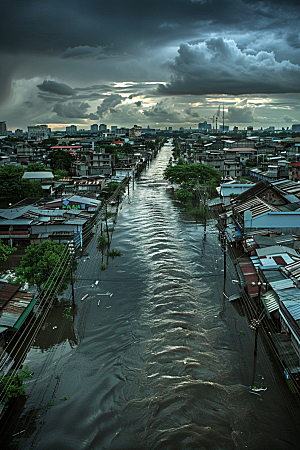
(156, 357)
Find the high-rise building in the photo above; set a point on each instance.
(102, 128)
(19, 132)
(72, 129)
(113, 128)
(295, 128)
(3, 130)
(94, 128)
(39, 132)
(204, 126)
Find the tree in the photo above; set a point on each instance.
(192, 172)
(12, 185)
(46, 265)
(36, 167)
(60, 174)
(127, 148)
(61, 160)
(5, 251)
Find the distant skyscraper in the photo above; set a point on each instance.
(72, 129)
(94, 128)
(3, 130)
(204, 126)
(102, 128)
(295, 127)
(19, 132)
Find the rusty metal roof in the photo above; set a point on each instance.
(14, 305)
(7, 291)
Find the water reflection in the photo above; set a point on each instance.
(164, 363)
(57, 328)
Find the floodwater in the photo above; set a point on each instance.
(156, 357)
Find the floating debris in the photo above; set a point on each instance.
(84, 297)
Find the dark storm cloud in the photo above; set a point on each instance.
(109, 104)
(75, 27)
(218, 66)
(72, 110)
(64, 55)
(240, 114)
(163, 112)
(52, 87)
(293, 39)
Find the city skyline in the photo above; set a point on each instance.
(152, 63)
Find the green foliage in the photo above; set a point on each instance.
(36, 167)
(251, 163)
(187, 172)
(103, 266)
(38, 263)
(67, 313)
(109, 214)
(49, 142)
(13, 186)
(61, 160)
(5, 251)
(13, 385)
(183, 194)
(127, 148)
(111, 187)
(197, 211)
(114, 252)
(64, 398)
(58, 173)
(102, 240)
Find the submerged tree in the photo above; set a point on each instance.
(47, 266)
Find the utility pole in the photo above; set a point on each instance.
(72, 252)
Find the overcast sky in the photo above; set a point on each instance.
(158, 63)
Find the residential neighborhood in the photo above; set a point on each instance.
(62, 190)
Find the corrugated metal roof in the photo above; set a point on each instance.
(19, 221)
(256, 205)
(282, 284)
(14, 304)
(269, 241)
(275, 250)
(271, 301)
(36, 175)
(293, 308)
(7, 291)
(273, 274)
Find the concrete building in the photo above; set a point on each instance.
(295, 128)
(3, 130)
(135, 131)
(94, 128)
(72, 129)
(39, 132)
(103, 128)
